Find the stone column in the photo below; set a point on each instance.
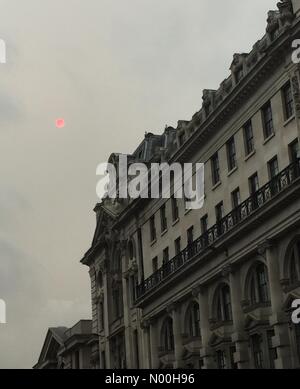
(127, 324)
(278, 320)
(206, 352)
(103, 268)
(145, 326)
(174, 310)
(154, 344)
(239, 336)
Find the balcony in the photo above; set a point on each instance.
(256, 201)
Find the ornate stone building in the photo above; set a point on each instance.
(211, 288)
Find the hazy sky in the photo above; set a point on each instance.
(113, 70)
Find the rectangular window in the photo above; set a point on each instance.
(257, 349)
(249, 138)
(215, 166)
(204, 224)
(152, 229)
(267, 120)
(163, 219)
(232, 352)
(231, 154)
(177, 244)
(293, 151)
(272, 350)
(253, 184)
(273, 168)
(166, 255)
(219, 211)
(154, 264)
(175, 211)
(190, 235)
(288, 101)
(221, 359)
(236, 198)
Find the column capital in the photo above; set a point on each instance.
(264, 246)
(173, 306)
(196, 291)
(228, 269)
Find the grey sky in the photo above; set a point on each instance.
(113, 69)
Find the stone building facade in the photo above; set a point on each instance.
(211, 288)
(68, 348)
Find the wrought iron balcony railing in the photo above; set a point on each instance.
(280, 182)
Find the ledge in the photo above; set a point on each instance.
(163, 233)
(267, 140)
(216, 185)
(175, 222)
(250, 155)
(232, 171)
(153, 242)
(288, 121)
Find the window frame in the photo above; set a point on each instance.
(288, 101)
(248, 138)
(268, 120)
(215, 169)
(231, 154)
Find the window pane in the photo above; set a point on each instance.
(273, 168)
(215, 169)
(204, 224)
(288, 101)
(263, 284)
(221, 359)
(268, 120)
(249, 139)
(257, 346)
(231, 154)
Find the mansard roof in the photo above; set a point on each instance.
(154, 146)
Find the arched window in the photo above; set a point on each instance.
(192, 322)
(294, 263)
(223, 304)
(259, 285)
(167, 335)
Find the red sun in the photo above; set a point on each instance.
(60, 123)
